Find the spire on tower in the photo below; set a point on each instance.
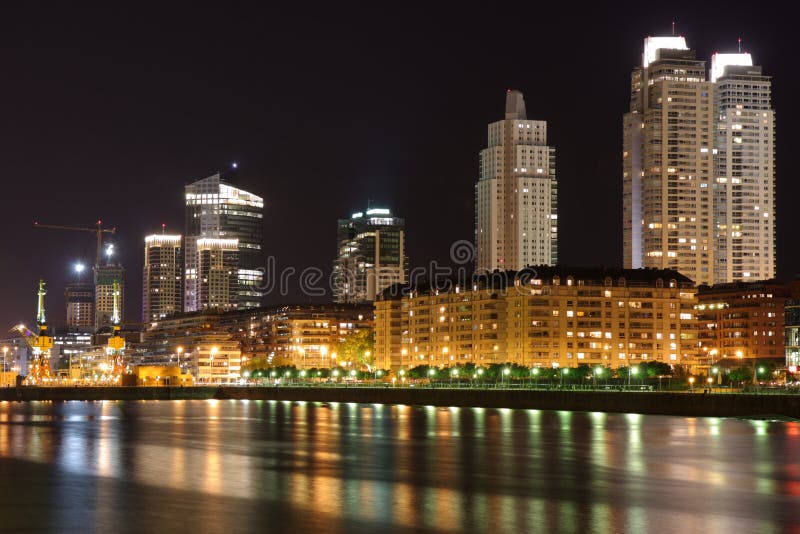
(515, 105)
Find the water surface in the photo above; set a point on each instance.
(262, 466)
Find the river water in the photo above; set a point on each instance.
(267, 466)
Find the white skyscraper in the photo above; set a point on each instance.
(744, 168)
(516, 195)
(162, 279)
(698, 166)
(668, 138)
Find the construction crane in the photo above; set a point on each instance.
(40, 343)
(99, 230)
(116, 343)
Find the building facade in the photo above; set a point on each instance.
(792, 332)
(80, 305)
(104, 278)
(215, 209)
(305, 336)
(668, 163)
(558, 317)
(162, 277)
(744, 164)
(742, 320)
(516, 197)
(371, 255)
(218, 274)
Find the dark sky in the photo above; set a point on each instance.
(108, 111)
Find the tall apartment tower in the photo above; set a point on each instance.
(162, 277)
(371, 255)
(516, 197)
(104, 278)
(218, 274)
(668, 163)
(744, 167)
(80, 306)
(215, 209)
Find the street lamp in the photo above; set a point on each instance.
(691, 383)
(506, 372)
(562, 374)
(597, 372)
(632, 371)
(535, 373)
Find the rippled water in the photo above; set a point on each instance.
(261, 466)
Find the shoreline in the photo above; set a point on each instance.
(648, 403)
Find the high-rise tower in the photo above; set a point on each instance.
(668, 141)
(371, 255)
(162, 284)
(744, 168)
(516, 197)
(215, 209)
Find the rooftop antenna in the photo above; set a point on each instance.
(163, 228)
(740, 45)
(673, 28)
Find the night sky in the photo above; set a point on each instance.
(109, 111)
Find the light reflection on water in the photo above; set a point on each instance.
(343, 467)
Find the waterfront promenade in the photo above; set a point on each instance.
(696, 404)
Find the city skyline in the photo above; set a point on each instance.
(401, 179)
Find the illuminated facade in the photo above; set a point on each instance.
(792, 332)
(217, 359)
(558, 317)
(104, 278)
(162, 287)
(741, 320)
(80, 305)
(698, 166)
(216, 209)
(304, 335)
(516, 197)
(668, 163)
(217, 274)
(371, 255)
(744, 188)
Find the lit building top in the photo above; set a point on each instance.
(214, 243)
(720, 61)
(163, 239)
(653, 44)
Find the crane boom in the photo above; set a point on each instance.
(99, 230)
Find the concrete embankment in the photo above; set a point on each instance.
(686, 404)
(34, 393)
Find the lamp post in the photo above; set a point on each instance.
(562, 374)
(691, 384)
(632, 371)
(597, 372)
(506, 372)
(535, 372)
